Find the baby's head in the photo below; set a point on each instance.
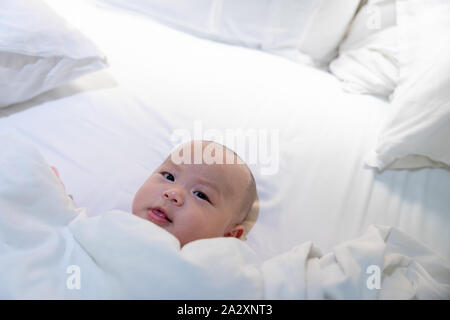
(193, 198)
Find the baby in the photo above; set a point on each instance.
(194, 198)
(199, 197)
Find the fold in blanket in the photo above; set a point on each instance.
(120, 256)
(51, 250)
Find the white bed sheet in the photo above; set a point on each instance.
(106, 134)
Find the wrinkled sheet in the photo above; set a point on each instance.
(49, 249)
(120, 256)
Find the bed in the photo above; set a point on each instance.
(108, 130)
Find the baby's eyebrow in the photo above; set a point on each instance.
(168, 163)
(200, 180)
(210, 184)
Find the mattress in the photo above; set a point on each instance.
(107, 131)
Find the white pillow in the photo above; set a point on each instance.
(417, 132)
(264, 24)
(368, 56)
(39, 51)
(290, 28)
(327, 29)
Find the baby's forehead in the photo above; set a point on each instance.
(204, 152)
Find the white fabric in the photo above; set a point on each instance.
(417, 131)
(106, 142)
(39, 51)
(368, 56)
(120, 256)
(327, 29)
(270, 25)
(289, 28)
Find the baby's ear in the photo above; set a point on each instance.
(236, 232)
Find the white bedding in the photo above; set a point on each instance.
(51, 250)
(164, 80)
(39, 51)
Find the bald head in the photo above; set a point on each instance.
(213, 153)
(250, 197)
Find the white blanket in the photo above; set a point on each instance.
(51, 250)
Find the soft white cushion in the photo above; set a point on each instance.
(298, 30)
(417, 131)
(39, 51)
(327, 29)
(368, 56)
(270, 25)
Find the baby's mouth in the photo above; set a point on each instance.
(158, 215)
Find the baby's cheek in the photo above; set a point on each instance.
(136, 202)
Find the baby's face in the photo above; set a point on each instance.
(194, 201)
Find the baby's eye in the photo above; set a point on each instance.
(202, 196)
(168, 176)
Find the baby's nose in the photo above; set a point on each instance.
(174, 197)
